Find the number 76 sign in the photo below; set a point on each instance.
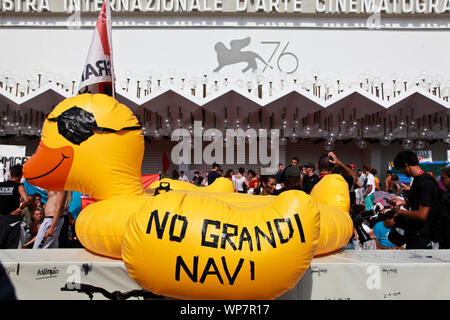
(285, 61)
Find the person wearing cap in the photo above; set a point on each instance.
(292, 170)
(303, 169)
(310, 178)
(291, 177)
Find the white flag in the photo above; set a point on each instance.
(98, 72)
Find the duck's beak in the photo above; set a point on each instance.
(48, 168)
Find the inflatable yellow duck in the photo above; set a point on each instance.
(187, 244)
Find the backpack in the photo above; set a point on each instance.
(439, 220)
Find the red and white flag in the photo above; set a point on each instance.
(98, 72)
(165, 163)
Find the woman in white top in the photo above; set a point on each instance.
(240, 182)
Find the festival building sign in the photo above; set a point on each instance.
(234, 6)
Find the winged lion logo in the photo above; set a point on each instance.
(234, 54)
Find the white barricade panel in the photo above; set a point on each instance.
(349, 274)
(40, 274)
(376, 275)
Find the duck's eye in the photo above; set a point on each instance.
(77, 125)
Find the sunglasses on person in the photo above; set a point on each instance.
(77, 125)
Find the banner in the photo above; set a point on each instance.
(10, 155)
(98, 72)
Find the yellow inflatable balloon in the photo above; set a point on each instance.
(192, 242)
(221, 184)
(101, 225)
(203, 248)
(332, 189)
(336, 225)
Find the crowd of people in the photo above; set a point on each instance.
(33, 218)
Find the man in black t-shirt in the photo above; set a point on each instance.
(327, 165)
(11, 191)
(279, 174)
(310, 179)
(214, 174)
(423, 203)
(11, 210)
(197, 179)
(445, 178)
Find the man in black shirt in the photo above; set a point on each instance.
(310, 179)
(214, 174)
(197, 179)
(11, 211)
(423, 204)
(445, 178)
(279, 174)
(327, 165)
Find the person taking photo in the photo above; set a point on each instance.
(423, 215)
